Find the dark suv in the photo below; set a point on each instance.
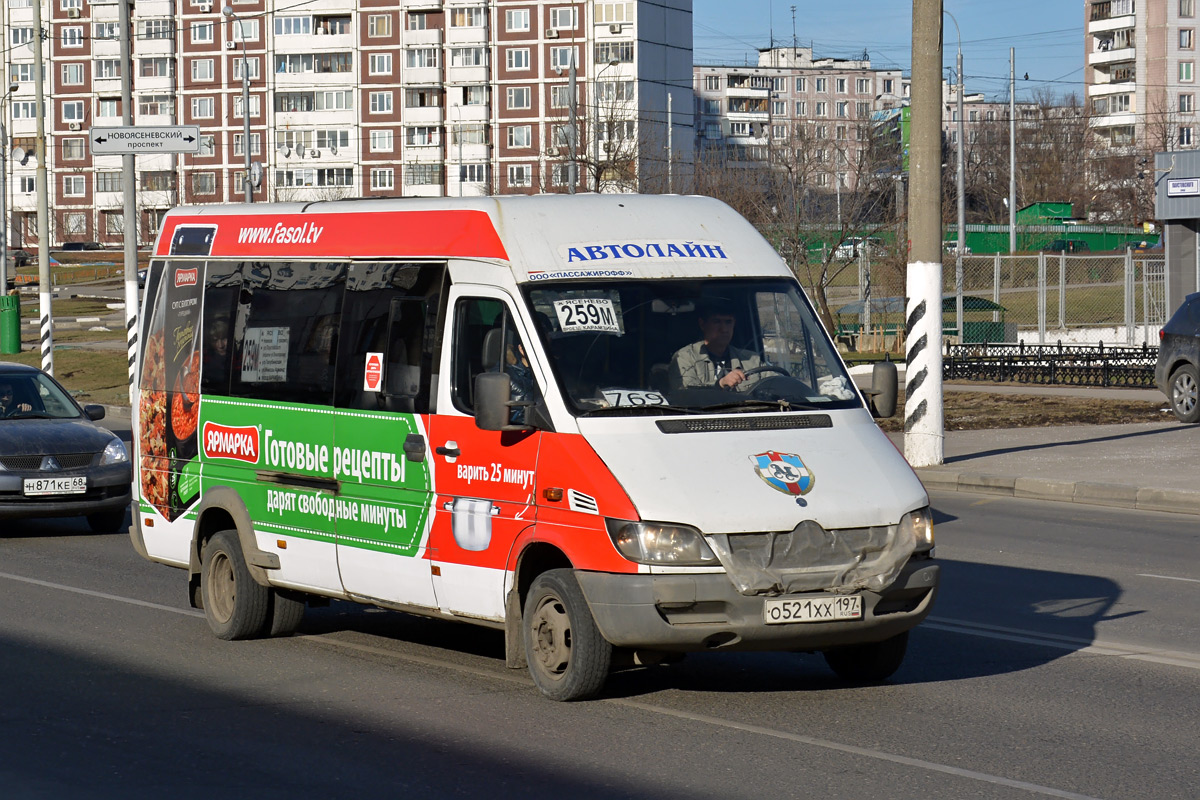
(1177, 373)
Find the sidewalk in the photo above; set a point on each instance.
(1150, 466)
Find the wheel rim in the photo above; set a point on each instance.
(1185, 394)
(551, 630)
(222, 587)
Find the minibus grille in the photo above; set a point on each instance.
(722, 424)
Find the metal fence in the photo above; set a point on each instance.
(1054, 297)
(1078, 365)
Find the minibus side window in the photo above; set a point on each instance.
(485, 340)
(285, 331)
(222, 285)
(392, 310)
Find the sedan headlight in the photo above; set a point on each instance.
(660, 543)
(920, 524)
(114, 453)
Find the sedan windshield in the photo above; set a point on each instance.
(676, 346)
(34, 395)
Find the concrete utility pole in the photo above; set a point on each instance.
(924, 428)
(129, 226)
(43, 199)
(573, 128)
(1012, 150)
(249, 185)
(960, 184)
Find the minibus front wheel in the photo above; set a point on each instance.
(870, 662)
(235, 605)
(568, 657)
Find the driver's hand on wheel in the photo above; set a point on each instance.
(732, 378)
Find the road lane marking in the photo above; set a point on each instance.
(103, 595)
(1096, 647)
(878, 755)
(1167, 577)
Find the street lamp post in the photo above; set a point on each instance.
(4, 191)
(596, 121)
(960, 181)
(228, 11)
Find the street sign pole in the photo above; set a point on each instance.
(129, 221)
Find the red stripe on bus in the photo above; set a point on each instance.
(379, 234)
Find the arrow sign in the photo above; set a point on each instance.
(145, 139)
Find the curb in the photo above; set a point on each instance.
(1142, 498)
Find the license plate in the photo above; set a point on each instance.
(783, 610)
(40, 486)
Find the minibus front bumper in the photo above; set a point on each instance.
(687, 613)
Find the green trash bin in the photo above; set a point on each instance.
(10, 323)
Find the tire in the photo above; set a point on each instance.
(568, 658)
(107, 521)
(873, 662)
(235, 606)
(1185, 401)
(287, 611)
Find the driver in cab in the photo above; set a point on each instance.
(713, 361)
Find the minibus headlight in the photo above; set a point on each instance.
(115, 453)
(920, 524)
(660, 543)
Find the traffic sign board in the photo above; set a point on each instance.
(145, 139)
(373, 374)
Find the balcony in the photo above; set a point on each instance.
(1111, 56)
(432, 36)
(422, 115)
(1109, 9)
(421, 75)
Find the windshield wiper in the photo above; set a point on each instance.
(762, 405)
(635, 410)
(31, 415)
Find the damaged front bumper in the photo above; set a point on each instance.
(692, 612)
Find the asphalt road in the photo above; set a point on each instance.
(1063, 661)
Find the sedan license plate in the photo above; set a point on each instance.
(783, 610)
(44, 486)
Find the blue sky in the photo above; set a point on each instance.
(1047, 35)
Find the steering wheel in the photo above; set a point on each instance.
(766, 368)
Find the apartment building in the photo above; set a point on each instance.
(1140, 73)
(794, 107)
(347, 98)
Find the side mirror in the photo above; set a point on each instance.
(494, 403)
(93, 412)
(885, 387)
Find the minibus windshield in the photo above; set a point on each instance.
(688, 346)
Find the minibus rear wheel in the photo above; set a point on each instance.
(871, 662)
(568, 657)
(235, 606)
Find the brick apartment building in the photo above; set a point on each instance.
(347, 98)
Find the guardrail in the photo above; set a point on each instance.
(1072, 365)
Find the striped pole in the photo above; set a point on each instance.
(924, 415)
(47, 328)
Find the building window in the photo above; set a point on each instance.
(474, 95)
(515, 20)
(203, 107)
(72, 111)
(468, 57)
(520, 136)
(518, 97)
(202, 69)
(293, 26)
(383, 179)
(245, 30)
(105, 30)
(107, 68)
(609, 13)
(204, 183)
(250, 65)
(423, 174)
(1187, 8)
(27, 184)
(1185, 71)
(863, 110)
(822, 109)
(801, 108)
(202, 32)
(472, 17)
(72, 74)
(560, 57)
(1187, 103)
(114, 223)
(621, 52)
(159, 29)
(156, 104)
(208, 144)
(472, 173)
(379, 64)
(564, 18)
(108, 181)
(422, 57)
(239, 144)
(821, 84)
(421, 136)
(862, 86)
(156, 67)
(74, 186)
(72, 36)
(381, 141)
(712, 83)
(417, 21)
(422, 98)
(778, 108)
(107, 107)
(254, 106)
(889, 86)
(379, 25)
(333, 139)
(1185, 136)
(843, 109)
(520, 175)
(517, 58)
(381, 102)
(73, 148)
(801, 84)
(1187, 38)
(840, 83)
(75, 224)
